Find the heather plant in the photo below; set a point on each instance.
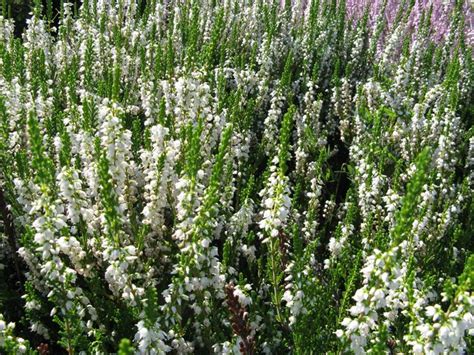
(231, 176)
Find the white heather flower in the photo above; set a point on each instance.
(275, 217)
(243, 298)
(150, 341)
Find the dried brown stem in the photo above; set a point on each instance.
(239, 321)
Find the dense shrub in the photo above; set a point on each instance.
(237, 176)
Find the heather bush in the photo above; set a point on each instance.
(203, 176)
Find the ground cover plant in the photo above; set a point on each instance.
(204, 176)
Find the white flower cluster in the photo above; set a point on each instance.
(275, 112)
(159, 173)
(377, 302)
(14, 344)
(337, 244)
(118, 273)
(277, 204)
(294, 303)
(150, 341)
(439, 332)
(153, 154)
